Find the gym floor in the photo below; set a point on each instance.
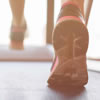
(28, 81)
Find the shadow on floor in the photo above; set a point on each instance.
(69, 93)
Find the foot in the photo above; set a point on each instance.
(70, 41)
(17, 35)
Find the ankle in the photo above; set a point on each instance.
(19, 23)
(80, 3)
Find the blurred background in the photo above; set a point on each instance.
(35, 12)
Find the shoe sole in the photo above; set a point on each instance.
(70, 41)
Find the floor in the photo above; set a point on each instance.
(28, 81)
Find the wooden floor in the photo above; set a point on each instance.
(28, 81)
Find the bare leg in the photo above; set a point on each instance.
(18, 24)
(17, 7)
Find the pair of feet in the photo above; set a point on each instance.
(70, 41)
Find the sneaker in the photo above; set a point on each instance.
(17, 36)
(70, 41)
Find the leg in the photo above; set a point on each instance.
(18, 28)
(17, 7)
